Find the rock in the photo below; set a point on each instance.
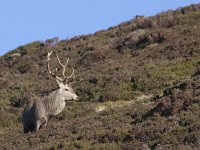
(16, 55)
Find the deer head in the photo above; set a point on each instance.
(64, 83)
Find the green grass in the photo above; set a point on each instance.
(157, 77)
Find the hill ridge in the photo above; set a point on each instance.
(144, 56)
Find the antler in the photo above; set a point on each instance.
(63, 66)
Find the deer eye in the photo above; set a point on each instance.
(66, 90)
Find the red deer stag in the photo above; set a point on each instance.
(38, 112)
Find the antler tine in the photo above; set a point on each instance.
(71, 74)
(48, 67)
(48, 56)
(63, 66)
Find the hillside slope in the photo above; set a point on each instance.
(144, 56)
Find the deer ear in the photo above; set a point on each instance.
(60, 83)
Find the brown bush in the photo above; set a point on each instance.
(90, 58)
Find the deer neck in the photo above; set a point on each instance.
(55, 102)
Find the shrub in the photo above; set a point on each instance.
(24, 68)
(52, 41)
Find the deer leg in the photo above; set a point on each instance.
(38, 125)
(26, 130)
(45, 124)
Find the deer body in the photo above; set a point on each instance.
(38, 112)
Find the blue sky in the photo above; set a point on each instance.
(25, 21)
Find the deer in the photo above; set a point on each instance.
(39, 111)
